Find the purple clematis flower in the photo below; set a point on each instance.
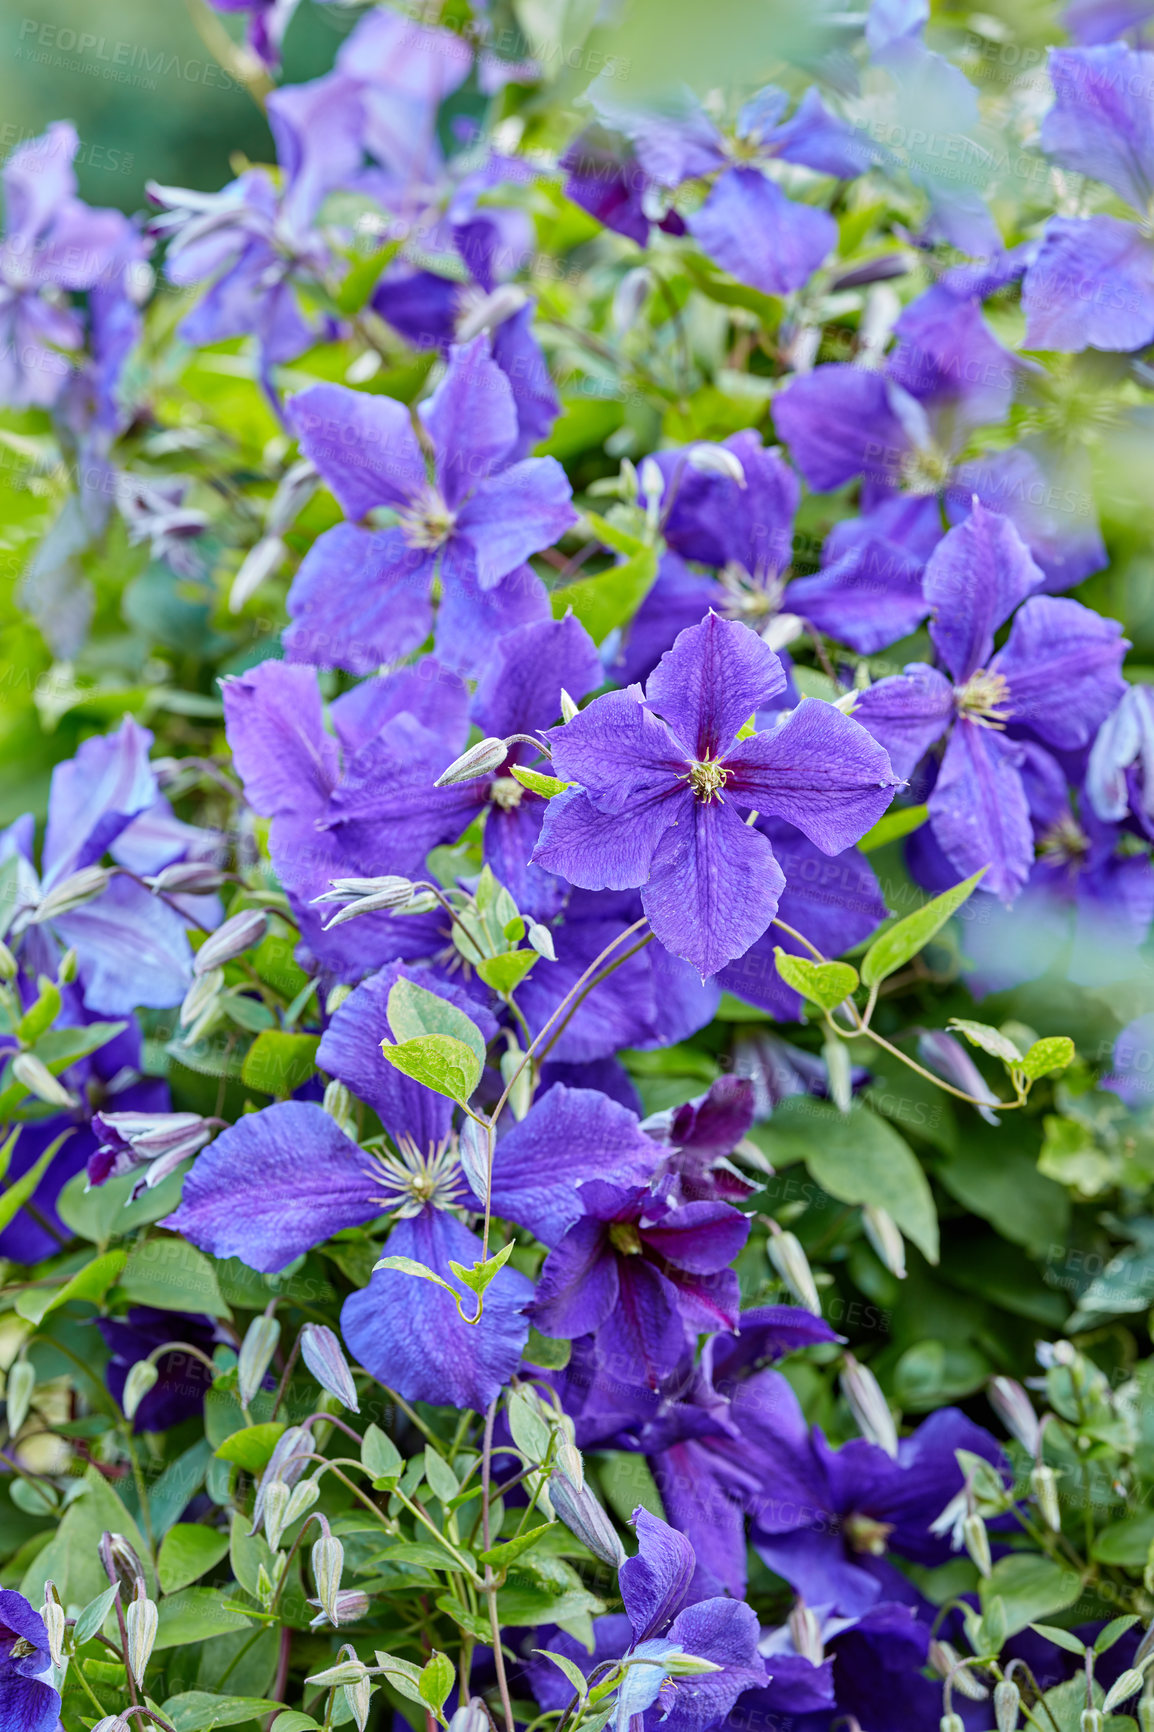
(362, 596)
(53, 243)
(1120, 771)
(605, 177)
(1092, 283)
(1056, 679)
(1092, 22)
(663, 1617)
(700, 1135)
(28, 1702)
(178, 1394)
(659, 781)
(283, 1180)
(642, 1276)
(131, 947)
(265, 29)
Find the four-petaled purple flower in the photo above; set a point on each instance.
(28, 1702)
(660, 781)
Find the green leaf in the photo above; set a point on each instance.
(173, 1275)
(440, 1476)
(362, 277)
(893, 825)
(14, 1198)
(201, 1711)
(826, 984)
(92, 1283)
(545, 1351)
(71, 1558)
(437, 1678)
(292, 1720)
(1046, 1057)
(606, 601)
(477, 1278)
(1061, 1638)
(504, 1553)
(990, 1040)
(422, 1554)
(251, 1447)
(574, 1674)
(381, 1458)
(106, 1212)
(414, 1012)
(445, 1065)
(278, 1063)
(187, 1552)
(1113, 1631)
(401, 1674)
(1126, 1542)
(613, 535)
(902, 941)
(506, 972)
(196, 1615)
(858, 1158)
(92, 1617)
(38, 1019)
(546, 786)
(410, 1266)
(1032, 1587)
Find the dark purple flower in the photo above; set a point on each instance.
(267, 22)
(643, 1277)
(28, 1702)
(179, 1391)
(700, 1135)
(1092, 283)
(158, 1142)
(362, 596)
(605, 177)
(1056, 679)
(659, 782)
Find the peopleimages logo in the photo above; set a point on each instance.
(118, 62)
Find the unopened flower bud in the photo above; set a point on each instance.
(142, 1377)
(73, 892)
(18, 1393)
(35, 1076)
(186, 878)
(868, 1405)
(338, 1103)
(1091, 1720)
(584, 1516)
(951, 1723)
(67, 968)
(328, 1560)
(200, 995)
(473, 1150)
(255, 1357)
(350, 1604)
(1127, 1684)
(112, 1723)
(121, 1562)
(321, 1352)
(805, 1633)
(884, 1235)
(629, 298)
(1007, 1701)
(259, 563)
(977, 1542)
(295, 489)
(480, 760)
(141, 1622)
(366, 896)
(470, 1717)
(1016, 1411)
(569, 709)
(518, 1079)
(304, 1496)
(501, 304)
(1044, 1485)
(52, 1613)
(716, 460)
(1146, 1714)
(348, 1671)
(570, 1463)
(358, 1697)
(8, 964)
(792, 1265)
(238, 934)
(276, 1502)
(287, 1462)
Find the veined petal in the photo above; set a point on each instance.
(907, 713)
(619, 753)
(713, 886)
(602, 850)
(514, 514)
(1101, 123)
(868, 598)
(1063, 664)
(94, 796)
(275, 724)
(820, 771)
(472, 421)
(655, 1584)
(975, 578)
(979, 811)
(708, 685)
(359, 599)
(749, 228)
(274, 1185)
(578, 1286)
(1090, 287)
(527, 670)
(364, 446)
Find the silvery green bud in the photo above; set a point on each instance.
(52, 1612)
(121, 1562)
(71, 893)
(584, 1516)
(716, 460)
(1091, 1720)
(792, 1264)
(1016, 1412)
(321, 1352)
(351, 1604)
(652, 483)
(240, 932)
(18, 1394)
(276, 1502)
(951, 1723)
(515, 1071)
(805, 1633)
(260, 562)
(366, 896)
(569, 709)
(977, 1542)
(1044, 1485)
(66, 968)
(358, 1697)
(348, 1671)
(1007, 1700)
(304, 1496)
(480, 760)
(338, 1103)
(868, 1405)
(200, 995)
(470, 1717)
(328, 1560)
(287, 1462)
(473, 1150)
(186, 878)
(8, 963)
(570, 1463)
(1127, 1684)
(142, 1377)
(141, 1622)
(945, 1660)
(265, 1586)
(885, 1236)
(112, 1723)
(1146, 1714)
(255, 1357)
(35, 1076)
